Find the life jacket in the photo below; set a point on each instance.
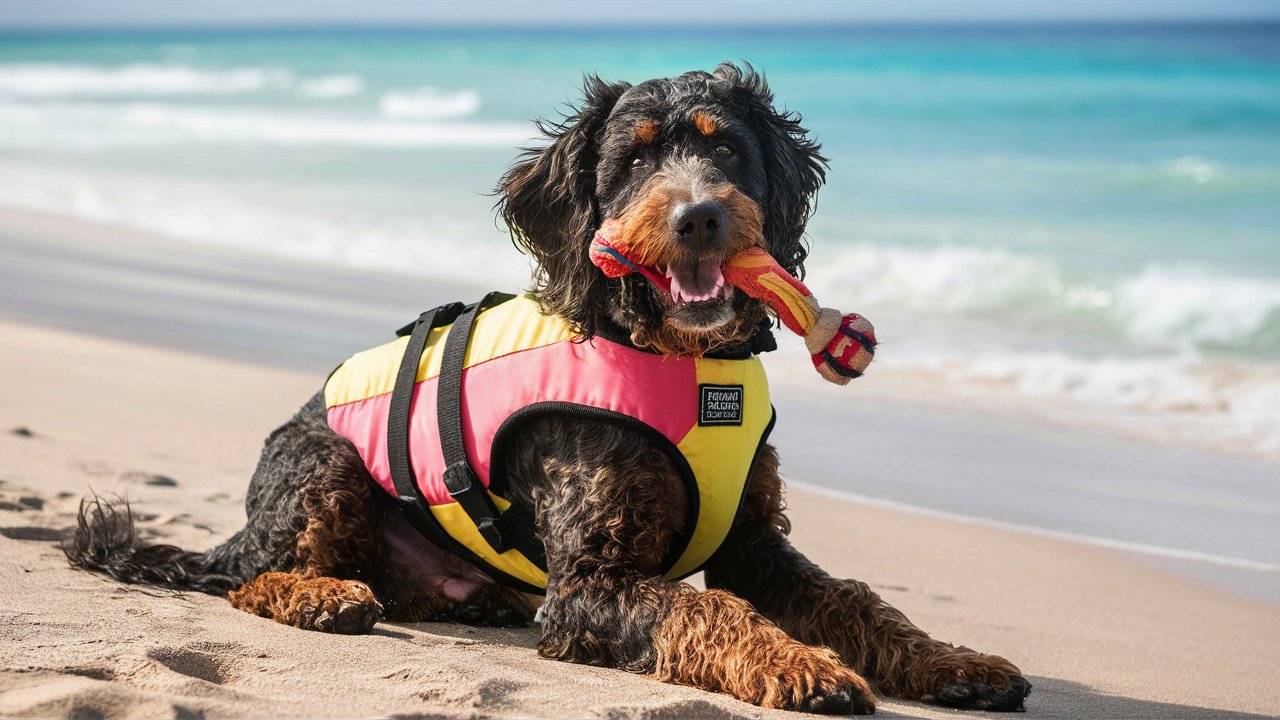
(431, 412)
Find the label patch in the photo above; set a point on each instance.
(720, 405)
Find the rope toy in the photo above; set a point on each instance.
(841, 346)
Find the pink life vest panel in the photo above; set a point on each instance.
(710, 415)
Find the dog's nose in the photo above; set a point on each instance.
(697, 223)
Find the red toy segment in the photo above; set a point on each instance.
(755, 272)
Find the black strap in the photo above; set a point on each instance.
(515, 527)
(402, 398)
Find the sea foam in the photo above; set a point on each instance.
(54, 80)
(1179, 397)
(92, 126)
(334, 86)
(1158, 306)
(428, 103)
(439, 245)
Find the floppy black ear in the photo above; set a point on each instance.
(547, 200)
(794, 165)
(548, 196)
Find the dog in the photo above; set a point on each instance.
(699, 167)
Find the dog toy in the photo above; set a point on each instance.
(841, 346)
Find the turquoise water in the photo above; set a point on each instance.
(1089, 211)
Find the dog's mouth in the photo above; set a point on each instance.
(686, 282)
(694, 291)
(698, 281)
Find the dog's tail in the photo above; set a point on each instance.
(104, 541)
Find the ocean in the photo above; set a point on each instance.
(1084, 215)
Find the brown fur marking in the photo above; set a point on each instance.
(705, 123)
(646, 232)
(715, 641)
(647, 131)
(338, 541)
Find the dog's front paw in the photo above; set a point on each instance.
(813, 680)
(846, 698)
(984, 696)
(973, 681)
(346, 607)
(326, 604)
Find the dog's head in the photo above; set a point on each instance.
(697, 168)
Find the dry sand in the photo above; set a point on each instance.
(1100, 634)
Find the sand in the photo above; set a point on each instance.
(1100, 634)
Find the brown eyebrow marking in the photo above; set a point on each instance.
(704, 122)
(647, 131)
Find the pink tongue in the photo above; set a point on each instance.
(703, 283)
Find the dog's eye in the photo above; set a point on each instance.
(724, 150)
(638, 163)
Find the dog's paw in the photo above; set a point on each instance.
(311, 603)
(984, 696)
(963, 678)
(814, 680)
(845, 698)
(346, 607)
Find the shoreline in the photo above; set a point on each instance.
(227, 281)
(988, 461)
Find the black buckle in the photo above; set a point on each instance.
(489, 531)
(459, 478)
(465, 487)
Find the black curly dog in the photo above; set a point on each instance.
(323, 549)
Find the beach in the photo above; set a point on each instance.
(148, 387)
(1065, 453)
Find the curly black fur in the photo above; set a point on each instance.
(105, 541)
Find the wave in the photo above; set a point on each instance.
(437, 246)
(1179, 394)
(1161, 306)
(53, 80)
(1180, 397)
(335, 86)
(92, 126)
(38, 80)
(428, 103)
(1195, 168)
(1198, 306)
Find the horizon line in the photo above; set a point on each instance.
(799, 24)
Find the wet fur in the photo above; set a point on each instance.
(322, 548)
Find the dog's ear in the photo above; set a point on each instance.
(547, 198)
(794, 165)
